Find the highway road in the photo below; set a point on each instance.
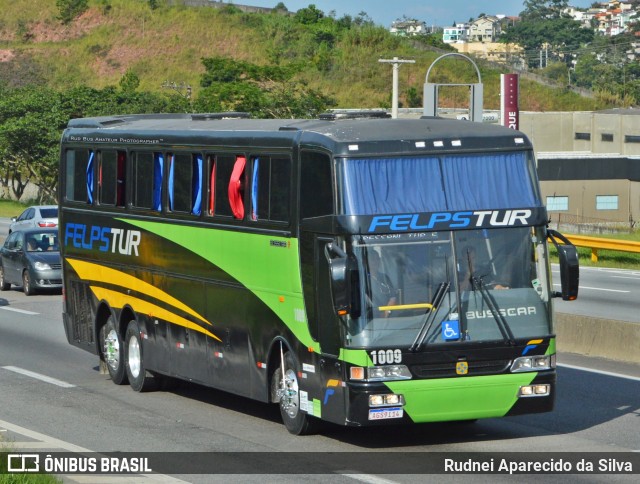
(51, 393)
(604, 293)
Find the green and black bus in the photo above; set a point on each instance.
(352, 269)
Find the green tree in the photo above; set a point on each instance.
(309, 15)
(70, 9)
(263, 91)
(129, 81)
(31, 121)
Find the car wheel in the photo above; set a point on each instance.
(139, 379)
(112, 352)
(4, 285)
(27, 287)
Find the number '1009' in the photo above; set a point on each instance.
(386, 357)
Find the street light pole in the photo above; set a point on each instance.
(396, 67)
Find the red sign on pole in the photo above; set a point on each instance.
(509, 110)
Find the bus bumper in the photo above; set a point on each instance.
(452, 399)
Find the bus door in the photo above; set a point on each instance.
(329, 334)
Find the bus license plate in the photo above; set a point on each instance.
(382, 413)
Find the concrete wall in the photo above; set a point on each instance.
(604, 338)
(561, 131)
(582, 198)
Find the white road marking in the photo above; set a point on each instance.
(53, 443)
(39, 376)
(599, 289)
(368, 478)
(16, 310)
(600, 372)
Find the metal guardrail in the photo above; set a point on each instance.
(596, 243)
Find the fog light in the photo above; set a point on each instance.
(391, 399)
(541, 389)
(526, 391)
(534, 391)
(385, 400)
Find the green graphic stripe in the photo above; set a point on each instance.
(266, 265)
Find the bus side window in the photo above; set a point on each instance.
(211, 210)
(121, 179)
(79, 176)
(185, 183)
(316, 195)
(107, 177)
(223, 168)
(236, 188)
(270, 189)
(147, 190)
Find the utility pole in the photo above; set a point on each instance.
(396, 67)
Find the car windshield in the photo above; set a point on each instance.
(42, 241)
(433, 288)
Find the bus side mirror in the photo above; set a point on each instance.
(569, 266)
(340, 275)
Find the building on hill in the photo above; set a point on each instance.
(408, 28)
(455, 33)
(485, 29)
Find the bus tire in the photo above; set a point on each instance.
(297, 421)
(139, 379)
(112, 351)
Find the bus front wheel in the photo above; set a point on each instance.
(112, 351)
(139, 379)
(297, 421)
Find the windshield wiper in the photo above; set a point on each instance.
(441, 292)
(490, 301)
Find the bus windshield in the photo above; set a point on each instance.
(433, 288)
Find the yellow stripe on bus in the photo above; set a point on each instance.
(119, 300)
(89, 271)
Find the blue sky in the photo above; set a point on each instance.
(383, 12)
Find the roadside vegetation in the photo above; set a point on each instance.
(5, 448)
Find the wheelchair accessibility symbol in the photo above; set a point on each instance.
(450, 330)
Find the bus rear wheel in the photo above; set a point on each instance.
(297, 421)
(112, 351)
(139, 379)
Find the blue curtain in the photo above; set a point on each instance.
(170, 180)
(460, 182)
(158, 163)
(388, 185)
(90, 178)
(254, 190)
(488, 181)
(196, 181)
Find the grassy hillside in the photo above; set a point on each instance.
(167, 44)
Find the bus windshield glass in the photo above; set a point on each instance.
(441, 287)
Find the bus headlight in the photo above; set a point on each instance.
(533, 363)
(390, 372)
(380, 373)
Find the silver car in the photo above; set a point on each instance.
(34, 217)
